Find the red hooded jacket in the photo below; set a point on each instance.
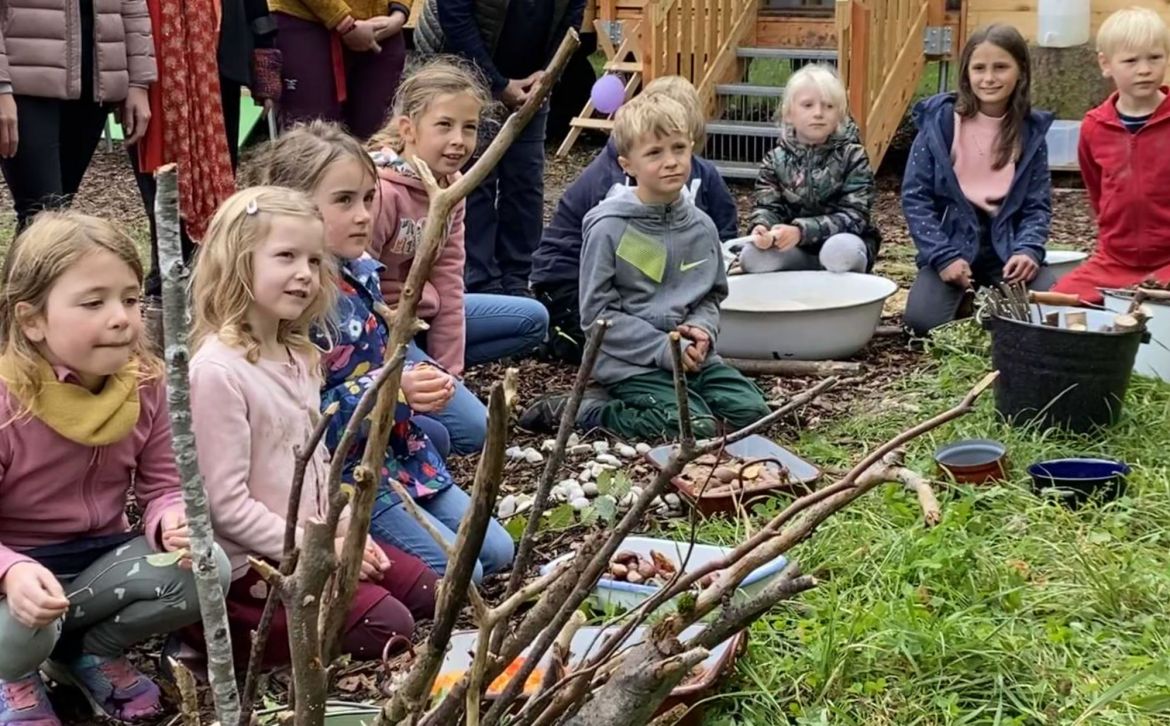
(1127, 176)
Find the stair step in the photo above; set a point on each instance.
(787, 53)
(749, 89)
(737, 169)
(763, 129)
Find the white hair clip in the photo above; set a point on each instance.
(252, 208)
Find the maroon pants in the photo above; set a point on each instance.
(381, 610)
(310, 89)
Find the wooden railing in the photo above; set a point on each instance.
(880, 48)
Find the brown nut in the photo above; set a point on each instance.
(634, 577)
(725, 474)
(646, 569)
(624, 556)
(619, 571)
(662, 564)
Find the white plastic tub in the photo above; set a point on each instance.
(801, 315)
(611, 594)
(1062, 262)
(1062, 23)
(1153, 358)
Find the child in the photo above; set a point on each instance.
(63, 66)
(652, 265)
(815, 190)
(84, 420)
(342, 59)
(1130, 199)
(435, 119)
(263, 279)
(339, 175)
(977, 193)
(556, 262)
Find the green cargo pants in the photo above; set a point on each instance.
(644, 407)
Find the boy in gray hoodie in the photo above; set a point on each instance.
(652, 265)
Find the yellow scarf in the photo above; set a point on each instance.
(92, 419)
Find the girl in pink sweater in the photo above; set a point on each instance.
(83, 419)
(435, 120)
(264, 279)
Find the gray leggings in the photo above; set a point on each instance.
(844, 252)
(118, 601)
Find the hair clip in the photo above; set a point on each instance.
(252, 208)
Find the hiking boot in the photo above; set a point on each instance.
(544, 416)
(114, 688)
(24, 702)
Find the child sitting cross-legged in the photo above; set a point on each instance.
(1124, 159)
(652, 265)
(83, 407)
(814, 191)
(264, 279)
(340, 176)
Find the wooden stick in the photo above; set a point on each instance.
(189, 696)
(212, 608)
(795, 368)
(686, 431)
(1054, 298)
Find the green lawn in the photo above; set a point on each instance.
(1012, 611)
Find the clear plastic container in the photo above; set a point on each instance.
(1062, 139)
(1062, 23)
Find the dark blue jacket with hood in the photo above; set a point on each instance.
(943, 223)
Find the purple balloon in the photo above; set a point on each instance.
(608, 93)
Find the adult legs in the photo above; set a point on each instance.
(566, 340)
(520, 205)
(481, 274)
(307, 71)
(502, 326)
(372, 79)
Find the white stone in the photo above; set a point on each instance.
(575, 491)
(642, 449)
(506, 507)
(565, 483)
(558, 495)
(579, 504)
(628, 500)
(532, 456)
(636, 491)
(608, 460)
(579, 450)
(601, 446)
(673, 500)
(574, 439)
(524, 503)
(590, 489)
(626, 451)
(586, 474)
(514, 452)
(548, 445)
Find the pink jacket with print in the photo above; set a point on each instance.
(53, 490)
(40, 48)
(400, 213)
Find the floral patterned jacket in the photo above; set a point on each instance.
(356, 350)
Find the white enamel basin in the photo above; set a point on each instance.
(801, 315)
(1062, 262)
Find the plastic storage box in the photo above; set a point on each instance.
(1062, 145)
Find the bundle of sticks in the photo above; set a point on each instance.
(1013, 301)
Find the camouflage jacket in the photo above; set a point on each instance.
(824, 190)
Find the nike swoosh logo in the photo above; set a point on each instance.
(690, 265)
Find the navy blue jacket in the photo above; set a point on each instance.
(943, 223)
(558, 257)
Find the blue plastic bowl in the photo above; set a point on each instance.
(1076, 481)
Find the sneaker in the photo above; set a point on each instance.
(544, 416)
(24, 702)
(114, 688)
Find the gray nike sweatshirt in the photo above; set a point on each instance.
(648, 268)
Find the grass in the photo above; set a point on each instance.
(1012, 611)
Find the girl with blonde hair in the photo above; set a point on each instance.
(83, 419)
(264, 280)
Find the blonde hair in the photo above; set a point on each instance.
(683, 91)
(422, 83)
(1132, 29)
(299, 158)
(825, 81)
(656, 114)
(52, 244)
(221, 290)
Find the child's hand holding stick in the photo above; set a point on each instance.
(695, 353)
(781, 236)
(35, 597)
(175, 534)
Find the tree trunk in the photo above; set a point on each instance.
(1067, 81)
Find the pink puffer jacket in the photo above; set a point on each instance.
(40, 48)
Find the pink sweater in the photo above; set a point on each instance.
(400, 214)
(247, 418)
(973, 152)
(53, 489)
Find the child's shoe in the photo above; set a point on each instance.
(24, 702)
(113, 687)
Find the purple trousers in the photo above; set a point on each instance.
(310, 91)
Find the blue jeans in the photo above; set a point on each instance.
(445, 510)
(498, 326)
(505, 215)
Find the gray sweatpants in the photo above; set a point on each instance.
(118, 601)
(844, 252)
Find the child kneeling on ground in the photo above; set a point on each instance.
(652, 265)
(977, 191)
(84, 409)
(814, 191)
(1131, 200)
